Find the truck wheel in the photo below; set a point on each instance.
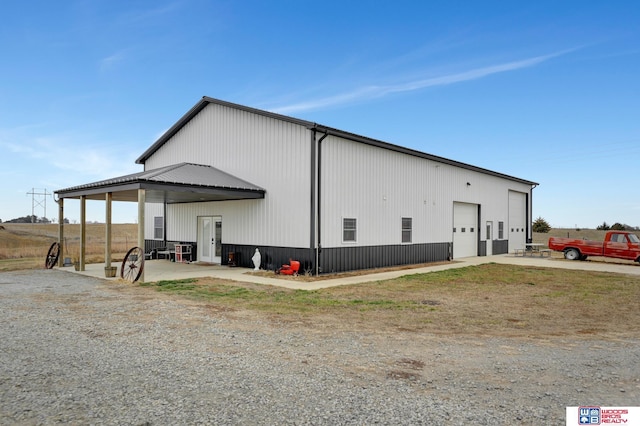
(572, 254)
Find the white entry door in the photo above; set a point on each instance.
(489, 238)
(210, 239)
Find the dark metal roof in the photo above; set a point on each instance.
(178, 183)
(316, 127)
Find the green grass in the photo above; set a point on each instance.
(488, 299)
(271, 300)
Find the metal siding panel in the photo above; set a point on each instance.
(272, 257)
(270, 153)
(340, 259)
(378, 187)
(150, 245)
(482, 248)
(500, 246)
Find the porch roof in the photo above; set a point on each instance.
(177, 183)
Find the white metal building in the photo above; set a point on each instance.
(229, 179)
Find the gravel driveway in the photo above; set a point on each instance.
(79, 350)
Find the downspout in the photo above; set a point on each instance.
(318, 203)
(312, 195)
(164, 223)
(530, 214)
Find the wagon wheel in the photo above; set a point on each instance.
(132, 265)
(52, 256)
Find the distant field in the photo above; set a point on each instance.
(590, 234)
(25, 246)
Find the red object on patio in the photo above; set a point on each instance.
(291, 269)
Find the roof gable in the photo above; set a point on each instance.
(202, 104)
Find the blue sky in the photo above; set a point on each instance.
(547, 91)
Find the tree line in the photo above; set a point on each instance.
(616, 227)
(541, 225)
(31, 219)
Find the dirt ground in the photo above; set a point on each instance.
(106, 351)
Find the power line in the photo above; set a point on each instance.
(38, 199)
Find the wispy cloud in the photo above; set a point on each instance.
(377, 91)
(96, 161)
(136, 17)
(135, 24)
(110, 61)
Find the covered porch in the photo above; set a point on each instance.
(179, 183)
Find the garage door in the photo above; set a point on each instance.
(517, 220)
(465, 230)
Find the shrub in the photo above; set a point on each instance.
(541, 225)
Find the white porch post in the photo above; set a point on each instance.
(61, 230)
(141, 202)
(83, 230)
(107, 236)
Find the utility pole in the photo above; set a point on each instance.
(38, 199)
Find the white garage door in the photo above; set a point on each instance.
(517, 220)
(465, 230)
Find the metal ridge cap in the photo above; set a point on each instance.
(267, 113)
(249, 184)
(155, 172)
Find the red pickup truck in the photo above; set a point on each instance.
(620, 244)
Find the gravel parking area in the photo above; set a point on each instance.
(80, 350)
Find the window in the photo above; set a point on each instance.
(406, 229)
(500, 230)
(618, 238)
(158, 227)
(349, 227)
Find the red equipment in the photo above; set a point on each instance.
(291, 269)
